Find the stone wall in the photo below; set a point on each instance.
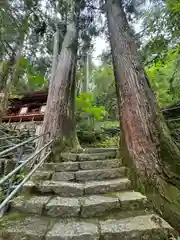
(34, 126)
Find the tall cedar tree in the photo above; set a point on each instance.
(146, 145)
(56, 119)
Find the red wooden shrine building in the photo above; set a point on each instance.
(31, 107)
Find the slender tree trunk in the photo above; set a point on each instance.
(55, 54)
(86, 74)
(9, 74)
(56, 119)
(146, 145)
(5, 75)
(73, 136)
(56, 44)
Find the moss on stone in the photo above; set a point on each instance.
(11, 219)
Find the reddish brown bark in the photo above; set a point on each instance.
(135, 116)
(144, 134)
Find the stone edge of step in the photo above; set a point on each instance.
(75, 157)
(84, 165)
(82, 206)
(81, 175)
(87, 188)
(128, 227)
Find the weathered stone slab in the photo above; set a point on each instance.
(17, 203)
(100, 174)
(99, 150)
(63, 176)
(24, 228)
(135, 228)
(65, 189)
(98, 205)
(69, 157)
(63, 207)
(41, 175)
(96, 156)
(36, 204)
(90, 165)
(46, 186)
(131, 200)
(73, 231)
(96, 187)
(62, 167)
(32, 205)
(29, 187)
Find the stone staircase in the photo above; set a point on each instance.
(86, 196)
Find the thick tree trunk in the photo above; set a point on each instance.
(146, 145)
(56, 119)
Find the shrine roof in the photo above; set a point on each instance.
(28, 98)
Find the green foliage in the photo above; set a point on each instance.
(27, 79)
(161, 18)
(160, 74)
(162, 50)
(107, 142)
(104, 134)
(103, 77)
(20, 176)
(107, 124)
(86, 115)
(86, 108)
(89, 136)
(104, 90)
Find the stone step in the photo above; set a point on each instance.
(74, 230)
(100, 205)
(74, 157)
(100, 164)
(99, 150)
(149, 227)
(42, 228)
(61, 167)
(92, 206)
(86, 165)
(100, 174)
(17, 226)
(60, 188)
(96, 156)
(42, 175)
(64, 176)
(96, 187)
(140, 227)
(81, 176)
(90, 175)
(71, 189)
